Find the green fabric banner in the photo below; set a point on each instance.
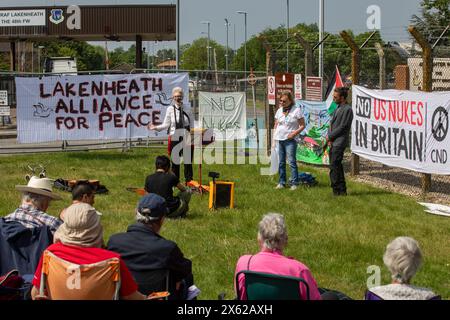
(311, 145)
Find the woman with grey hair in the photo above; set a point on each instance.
(403, 259)
(272, 239)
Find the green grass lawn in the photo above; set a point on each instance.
(337, 238)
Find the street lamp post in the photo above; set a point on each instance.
(227, 50)
(234, 38)
(178, 37)
(245, 47)
(321, 27)
(39, 59)
(207, 46)
(287, 36)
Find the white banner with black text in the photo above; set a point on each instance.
(85, 107)
(402, 128)
(224, 112)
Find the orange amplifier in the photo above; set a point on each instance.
(221, 194)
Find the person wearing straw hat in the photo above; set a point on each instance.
(79, 240)
(36, 197)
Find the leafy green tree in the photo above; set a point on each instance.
(88, 57)
(195, 57)
(336, 53)
(120, 56)
(435, 17)
(164, 55)
(4, 62)
(256, 56)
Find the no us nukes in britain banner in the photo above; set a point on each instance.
(402, 128)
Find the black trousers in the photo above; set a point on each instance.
(188, 172)
(337, 177)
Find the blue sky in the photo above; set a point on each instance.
(339, 15)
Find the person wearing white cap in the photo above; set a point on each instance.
(36, 197)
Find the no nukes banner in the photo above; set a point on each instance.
(402, 128)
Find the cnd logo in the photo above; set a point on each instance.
(374, 19)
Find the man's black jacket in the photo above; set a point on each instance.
(148, 255)
(340, 126)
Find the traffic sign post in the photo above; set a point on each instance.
(298, 86)
(5, 111)
(252, 81)
(284, 82)
(314, 88)
(271, 95)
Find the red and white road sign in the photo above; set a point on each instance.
(283, 82)
(271, 90)
(298, 86)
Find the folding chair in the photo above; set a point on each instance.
(63, 280)
(267, 286)
(153, 281)
(369, 295)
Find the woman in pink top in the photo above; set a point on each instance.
(272, 238)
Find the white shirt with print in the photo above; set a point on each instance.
(287, 123)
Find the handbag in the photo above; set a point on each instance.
(11, 285)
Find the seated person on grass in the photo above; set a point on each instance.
(149, 256)
(36, 198)
(162, 183)
(82, 192)
(403, 258)
(272, 239)
(79, 240)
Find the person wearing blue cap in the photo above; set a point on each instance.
(148, 255)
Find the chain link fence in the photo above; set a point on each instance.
(403, 70)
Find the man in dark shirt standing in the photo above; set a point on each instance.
(162, 183)
(338, 137)
(149, 256)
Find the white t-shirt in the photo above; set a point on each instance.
(287, 123)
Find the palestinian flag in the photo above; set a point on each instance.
(336, 82)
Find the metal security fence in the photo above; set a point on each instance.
(402, 69)
(221, 81)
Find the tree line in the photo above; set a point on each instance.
(434, 17)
